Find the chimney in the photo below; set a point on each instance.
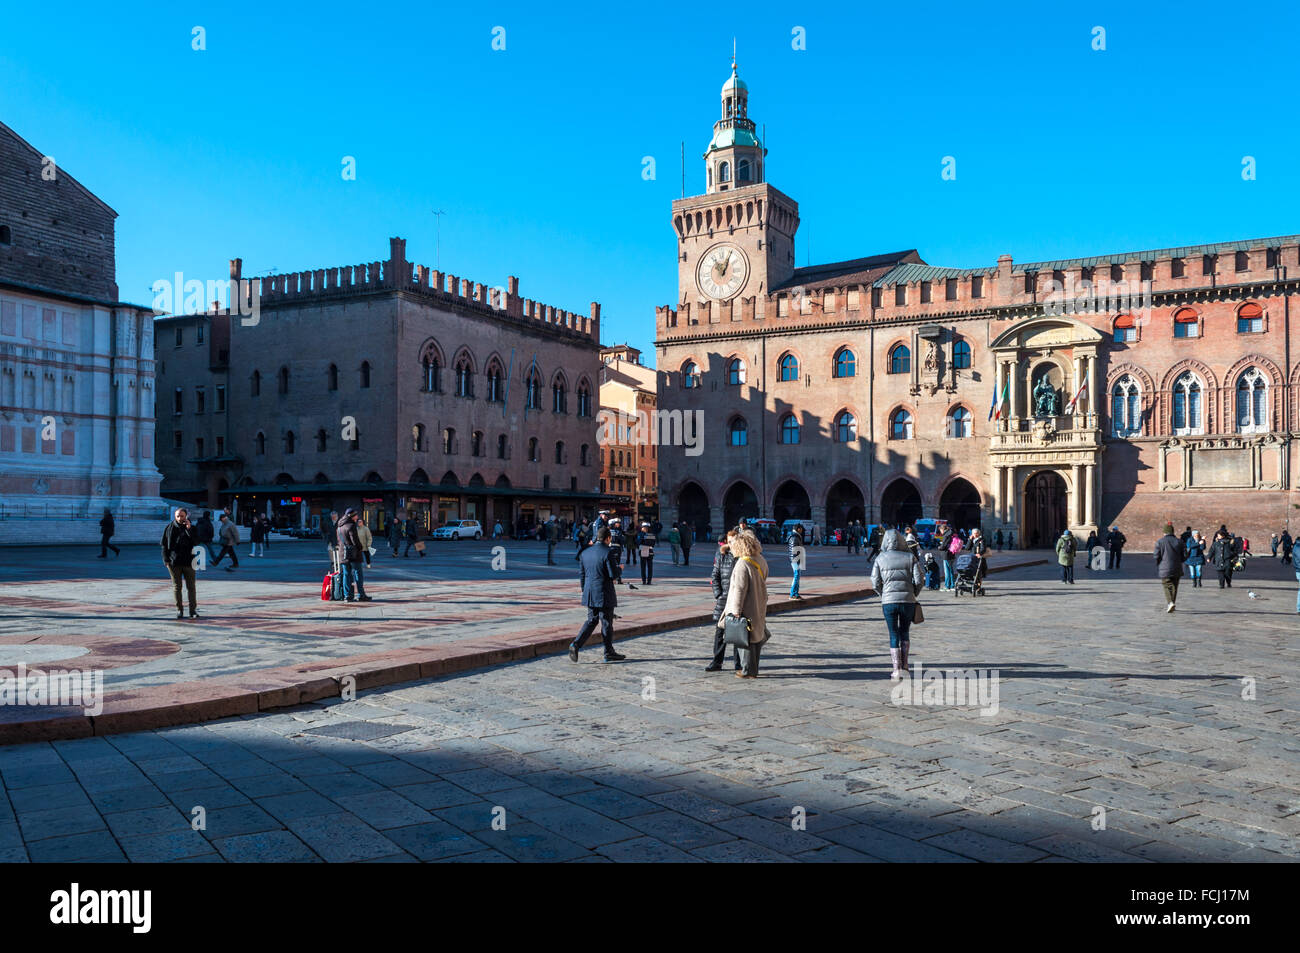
(236, 268)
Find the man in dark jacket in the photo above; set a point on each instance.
(350, 557)
(552, 537)
(597, 574)
(412, 529)
(329, 529)
(106, 531)
(687, 533)
(1115, 541)
(178, 542)
(1169, 564)
(205, 532)
(723, 563)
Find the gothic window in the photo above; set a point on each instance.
(961, 355)
(260, 443)
(289, 442)
(789, 429)
(495, 394)
(417, 438)
(690, 375)
(735, 371)
(845, 363)
(724, 172)
(739, 432)
(742, 170)
(846, 427)
(789, 368)
(476, 444)
(532, 451)
(534, 391)
(1126, 407)
(431, 366)
(365, 374)
(449, 440)
(959, 423)
(501, 446)
(900, 425)
(584, 400)
(900, 360)
(1252, 402)
(464, 378)
(1187, 404)
(559, 395)
(322, 440)
(333, 378)
(255, 383)
(284, 380)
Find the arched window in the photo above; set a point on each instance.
(559, 395)
(449, 440)
(1250, 318)
(322, 440)
(900, 425)
(961, 355)
(476, 443)
(464, 378)
(1126, 407)
(584, 400)
(789, 367)
(739, 432)
(1187, 324)
(789, 429)
(333, 378)
(260, 443)
(559, 451)
(1187, 404)
(431, 364)
(495, 391)
(846, 427)
(735, 371)
(365, 374)
(417, 438)
(690, 375)
(846, 365)
(900, 360)
(501, 446)
(534, 390)
(584, 454)
(255, 383)
(959, 423)
(1252, 402)
(532, 451)
(724, 172)
(1126, 331)
(742, 171)
(289, 441)
(284, 380)
(6, 235)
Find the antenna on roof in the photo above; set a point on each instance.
(683, 168)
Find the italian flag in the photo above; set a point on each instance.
(998, 409)
(1074, 401)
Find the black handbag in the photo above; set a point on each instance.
(735, 631)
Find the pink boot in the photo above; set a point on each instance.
(895, 655)
(907, 645)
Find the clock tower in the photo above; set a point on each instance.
(736, 241)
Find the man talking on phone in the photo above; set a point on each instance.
(178, 542)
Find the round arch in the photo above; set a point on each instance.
(1044, 509)
(900, 503)
(960, 503)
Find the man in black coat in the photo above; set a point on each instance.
(1169, 564)
(178, 542)
(106, 531)
(1115, 541)
(350, 558)
(597, 574)
(687, 533)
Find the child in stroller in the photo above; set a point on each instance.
(970, 570)
(931, 572)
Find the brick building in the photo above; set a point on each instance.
(383, 386)
(629, 467)
(76, 364)
(1139, 387)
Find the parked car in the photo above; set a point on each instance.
(459, 529)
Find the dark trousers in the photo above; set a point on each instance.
(105, 545)
(1171, 588)
(720, 648)
(550, 553)
(686, 555)
(1112, 561)
(411, 541)
(184, 574)
(606, 619)
(1067, 573)
(750, 658)
(647, 569)
(1225, 575)
(234, 560)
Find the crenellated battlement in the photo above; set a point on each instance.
(398, 274)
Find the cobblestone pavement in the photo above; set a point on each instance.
(269, 611)
(1120, 734)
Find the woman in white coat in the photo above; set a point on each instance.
(747, 597)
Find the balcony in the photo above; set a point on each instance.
(1077, 432)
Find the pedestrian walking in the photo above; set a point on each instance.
(178, 542)
(913, 544)
(896, 578)
(946, 557)
(798, 555)
(205, 533)
(552, 537)
(395, 534)
(1286, 543)
(1092, 543)
(997, 539)
(1195, 557)
(747, 598)
(688, 540)
(1169, 565)
(581, 537)
(412, 537)
(597, 575)
(1065, 549)
(106, 530)
(645, 544)
(229, 536)
(1115, 541)
(366, 538)
(979, 548)
(1273, 542)
(1011, 539)
(256, 534)
(351, 548)
(873, 542)
(675, 541)
(720, 578)
(1223, 556)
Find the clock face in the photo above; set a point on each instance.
(722, 271)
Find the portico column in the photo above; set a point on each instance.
(1014, 389)
(1076, 500)
(997, 492)
(1093, 419)
(1090, 489)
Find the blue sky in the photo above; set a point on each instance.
(535, 153)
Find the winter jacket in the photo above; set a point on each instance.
(1223, 553)
(178, 544)
(256, 533)
(747, 596)
(106, 524)
(723, 564)
(674, 537)
(794, 544)
(364, 536)
(1195, 553)
(978, 546)
(1115, 540)
(1065, 549)
(229, 533)
(1169, 557)
(203, 531)
(688, 537)
(944, 542)
(896, 575)
(349, 542)
(394, 533)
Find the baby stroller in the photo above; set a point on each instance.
(969, 569)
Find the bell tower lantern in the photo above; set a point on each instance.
(734, 158)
